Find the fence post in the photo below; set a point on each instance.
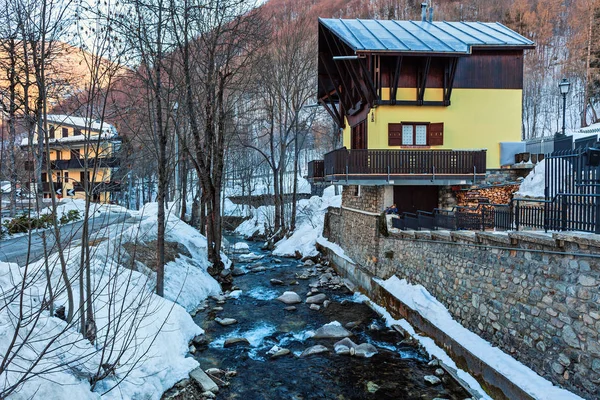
(597, 227)
(482, 218)
(517, 215)
(346, 172)
(563, 222)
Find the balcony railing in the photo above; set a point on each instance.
(97, 187)
(316, 171)
(77, 163)
(441, 165)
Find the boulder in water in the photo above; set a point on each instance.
(235, 341)
(314, 350)
(225, 321)
(316, 299)
(332, 330)
(290, 298)
(365, 350)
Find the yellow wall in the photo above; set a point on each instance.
(476, 119)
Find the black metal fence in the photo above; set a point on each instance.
(564, 213)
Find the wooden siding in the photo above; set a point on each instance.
(490, 70)
(481, 70)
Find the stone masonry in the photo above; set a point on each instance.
(536, 296)
(356, 222)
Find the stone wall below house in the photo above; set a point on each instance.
(535, 296)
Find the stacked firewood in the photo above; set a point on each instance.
(494, 195)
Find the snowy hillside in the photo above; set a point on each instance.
(142, 339)
(309, 225)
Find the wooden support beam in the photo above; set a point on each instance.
(395, 80)
(449, 73)
(343, 96)
(345, 87)
(329, 105)
(422, 80)
(351, 69)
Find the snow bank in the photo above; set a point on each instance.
(96, 209)
(420, 300)
(147, 343)
(335, 248)
(534, 184)
(309, 225)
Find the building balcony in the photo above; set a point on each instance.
(57, 186)
(316, 171)
(77, 163)
(97, 187)
(400, 167)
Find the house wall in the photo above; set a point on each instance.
(476, 119)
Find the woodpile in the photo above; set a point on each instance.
(494, 195)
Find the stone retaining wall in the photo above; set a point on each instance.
(521, 291)
(535, 296)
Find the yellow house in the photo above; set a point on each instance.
(422, 104)
(82, 155)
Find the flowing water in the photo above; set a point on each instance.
(396, 372)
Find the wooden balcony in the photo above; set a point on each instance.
(77, 163)
(316, 171)
(401, 167)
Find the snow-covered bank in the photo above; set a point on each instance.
(142, 339)
(419, 299)
(534, 183)
(309, 224)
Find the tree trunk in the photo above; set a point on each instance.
(162, 161)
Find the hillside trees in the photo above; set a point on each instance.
(284, 86)
(217, 42)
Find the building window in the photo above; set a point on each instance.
(58, 155)
(75, 154)
(65, 132)
(52, 133)
(77, 132)
(416, 134)
(44, 177)
(357, 191)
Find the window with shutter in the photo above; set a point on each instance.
(407, 135)
(435, 134)
(394, 134)
(421, 135)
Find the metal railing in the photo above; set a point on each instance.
(565, 212)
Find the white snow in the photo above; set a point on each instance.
(250, 257)
(153, 359)
(335, 248)
(96, 209)
(241, 247)
(534, 183)
(309, 225)
(108, 131)
(420, 300)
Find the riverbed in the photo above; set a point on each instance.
(399, 370)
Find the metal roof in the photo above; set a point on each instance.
(423, 36)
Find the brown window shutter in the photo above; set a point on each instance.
(394, 134)
(435, 134)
